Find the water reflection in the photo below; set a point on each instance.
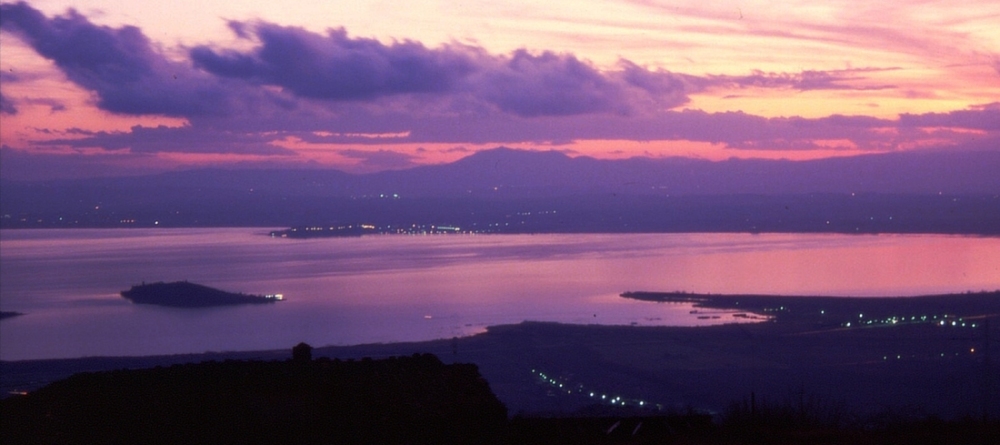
(381, 288)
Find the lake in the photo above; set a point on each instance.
(393, 288)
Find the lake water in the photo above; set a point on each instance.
(343, 291)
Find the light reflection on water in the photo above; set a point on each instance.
(406, 288)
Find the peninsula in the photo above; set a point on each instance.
(844, 312)
(191, 295)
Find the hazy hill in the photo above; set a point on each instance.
(549, 173)
(708, 196)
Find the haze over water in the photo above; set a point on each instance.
(411, 288)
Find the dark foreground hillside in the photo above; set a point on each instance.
(409, 400)
(415, 400)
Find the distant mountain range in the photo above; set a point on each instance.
(491, 180)
(531, 173)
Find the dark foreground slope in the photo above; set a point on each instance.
(393, 401)
(416, 400)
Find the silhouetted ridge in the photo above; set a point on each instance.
(411, 400)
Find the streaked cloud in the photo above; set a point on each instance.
(173, 139)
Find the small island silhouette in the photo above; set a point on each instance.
(191, 295)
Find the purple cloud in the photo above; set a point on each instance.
(340, 89)
(550, 84)
(54, 105)
(339, 68)
(175, 139)
(986, 117)
(129, 75)
(732, 129)
(803, 81)
(9, 76)
(669, 89)
(335, 66)
(7, 105)
(119, 65)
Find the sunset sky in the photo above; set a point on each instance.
(107, 87)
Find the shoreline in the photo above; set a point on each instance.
(820, 307)
(883, 359)
(272, 231)
(777, 308)
(271, 228)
